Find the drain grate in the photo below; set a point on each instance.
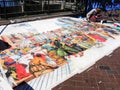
(112, 72)
(104, 67)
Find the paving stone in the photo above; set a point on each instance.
(89, 88)
(80, 84)
(101, 86)
(64, 88)
(79, 88)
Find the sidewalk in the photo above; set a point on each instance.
(36, 17)
(104, 75)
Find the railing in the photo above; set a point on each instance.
(16, 8)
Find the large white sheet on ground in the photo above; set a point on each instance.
(4, 85)
(74, 66)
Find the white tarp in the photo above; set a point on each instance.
(74, 65)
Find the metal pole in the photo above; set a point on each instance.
(48, 6)
(86, 4)
(5, 12)
(22, 5)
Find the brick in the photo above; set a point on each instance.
(104, 75)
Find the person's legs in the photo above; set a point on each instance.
(95, 19)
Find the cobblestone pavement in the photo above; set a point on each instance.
(104, 75)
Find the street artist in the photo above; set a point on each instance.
(94, 15)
